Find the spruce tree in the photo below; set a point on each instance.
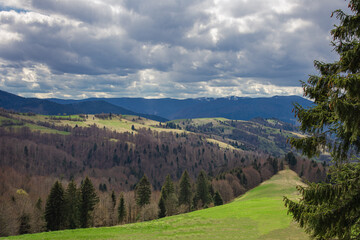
(55, 208)
(336, 95)
(291, 159)
(168, 200)
(113, 199)
(202, 189)
(162, 209)
(168, 187)
(88, 201)
(332, 211)
(185, 189)
(121, 209)
(72, 199)
(143, 191)
(218, 199)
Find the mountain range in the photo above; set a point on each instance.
(46, 107)
(237, 108)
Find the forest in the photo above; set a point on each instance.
(32, 161)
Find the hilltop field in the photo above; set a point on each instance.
(258, 214)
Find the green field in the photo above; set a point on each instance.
(259, 214)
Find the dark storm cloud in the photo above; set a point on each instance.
(162, 48)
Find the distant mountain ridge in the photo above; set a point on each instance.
(237, 108)
(46, 107)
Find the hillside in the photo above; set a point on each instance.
(115, 151)
(236, 108)
(258, 214)
(264, 135)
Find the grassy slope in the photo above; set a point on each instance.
(119, 124)
(33, 127)
(259, 214)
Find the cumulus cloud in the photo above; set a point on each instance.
(150, 48)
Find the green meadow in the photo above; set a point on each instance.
(258, 214)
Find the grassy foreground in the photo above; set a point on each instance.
(259, 214)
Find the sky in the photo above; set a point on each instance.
(162, 48)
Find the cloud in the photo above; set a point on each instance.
(150, 48)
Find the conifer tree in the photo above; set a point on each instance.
(331, 211)
(162, 209)
(168, 200)
(185, 189)
(113, 199)
(168, 187)
(143, 191)
(88, 201)
(218, 199)
(72, 200)
(121, 209)
(202, 189)
(55, 208)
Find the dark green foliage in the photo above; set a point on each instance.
(55, 208)
(332, 211)
(143, 191)
(88, 201)
(38, 204)
(24, 223)
(121, 209)
(274, 163)
(336, 93)
(185, 189)
(290, 158)
(218, 199)
(202, 189)
(162, 208)
(168, 202)
(113, 199)
(168, 187)
(72, 200)
(102, 187)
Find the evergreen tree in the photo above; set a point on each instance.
(168, 187)
(290, 158)
(143, 191)
(55, 208)
(121, 209)
(72, 200)
(185, 189)
(218, 199)
(336, 94)
(202, 189)
(162, 209)
(113, 199)
(168, 199)
(332, 211)
(88, 201)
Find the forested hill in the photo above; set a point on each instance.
(236, 108)
(115, 151)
